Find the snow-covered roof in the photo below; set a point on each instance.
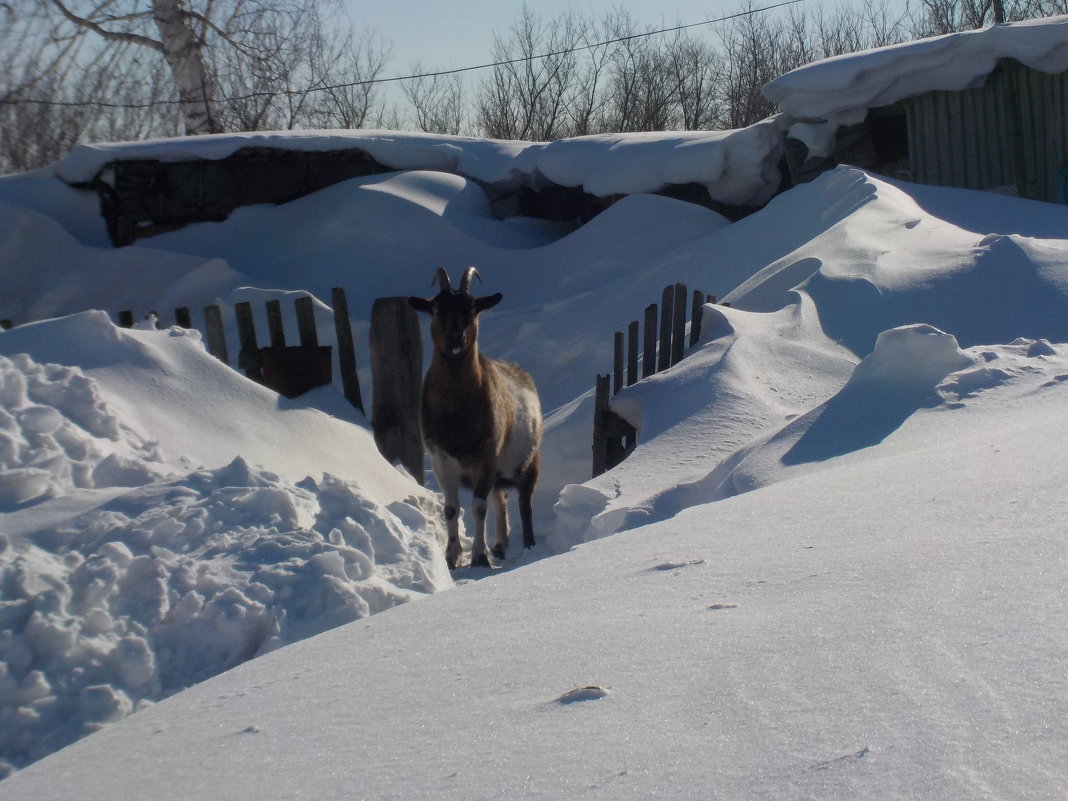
(738, 167)
(836, 88)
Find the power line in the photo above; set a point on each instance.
(414, 76)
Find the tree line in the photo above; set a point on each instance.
(108, 70)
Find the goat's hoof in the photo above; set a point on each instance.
(481, 560)
(499, 551)
(528, 543)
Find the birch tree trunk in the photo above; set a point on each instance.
(182, 51)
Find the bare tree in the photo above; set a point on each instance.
(437, 100)
(529, 92)
(245, 64)
(180, 38)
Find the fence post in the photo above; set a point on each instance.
(649, 346)
(397, 371)
(617, 362)
(248, 358)
(182, 317)
(678, 325)
(600, 437)
(667, 307)
(274, 324)
(309, 337)
(126, 319)
(632, 352)
(216, 337)
(613, 437)
(346, 348)
(695, 316)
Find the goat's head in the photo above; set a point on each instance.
(454, 313)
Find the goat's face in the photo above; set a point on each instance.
(454, 315)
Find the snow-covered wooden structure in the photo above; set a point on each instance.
(985, 109)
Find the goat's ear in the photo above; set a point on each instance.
(420, 304)
(488, 302)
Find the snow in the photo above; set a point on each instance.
(831, 568)
(738, 167)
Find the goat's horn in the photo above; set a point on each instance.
(441, 277)
(465, 282)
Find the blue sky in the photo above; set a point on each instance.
(446, 35)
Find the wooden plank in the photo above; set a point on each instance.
(248, 358)
(346, 348)
(617, 362)
(649, 343)
(396, 382)
(600, 438)
(632, 353)
(275, 328)
(215, 335)
(667, 308)
(309, 337)
(678, 324)
(695, 316)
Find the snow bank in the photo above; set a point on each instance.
(136, 560)
(57, 434)
(168, 585)
(46, 272)
(848, 334)
(891, 627)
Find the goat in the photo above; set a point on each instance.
(481, 420)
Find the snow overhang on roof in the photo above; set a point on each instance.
(841, 89)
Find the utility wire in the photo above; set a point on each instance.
(414, 76)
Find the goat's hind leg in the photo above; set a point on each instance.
(500, 515)
(526, 495)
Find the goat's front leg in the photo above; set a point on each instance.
(500, 515)
(448, 476)
(482, 487)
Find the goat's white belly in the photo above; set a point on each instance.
(526, 436)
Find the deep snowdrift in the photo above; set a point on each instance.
(164, 519)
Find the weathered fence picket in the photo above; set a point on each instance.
(346, 348)
(396, 382)
(613, 437)
(288, 370)
(215, 335)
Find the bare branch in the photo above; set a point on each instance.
(114, 36)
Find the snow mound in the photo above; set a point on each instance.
(68, 276)
(58, 434)
(172, 583)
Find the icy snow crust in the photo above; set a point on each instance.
(837, 559)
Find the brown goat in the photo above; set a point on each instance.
(481, 420)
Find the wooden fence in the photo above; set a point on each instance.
(396, 356)
(613, 437)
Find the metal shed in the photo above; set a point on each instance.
(1011, 134)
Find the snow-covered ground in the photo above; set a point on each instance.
(836, 560)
